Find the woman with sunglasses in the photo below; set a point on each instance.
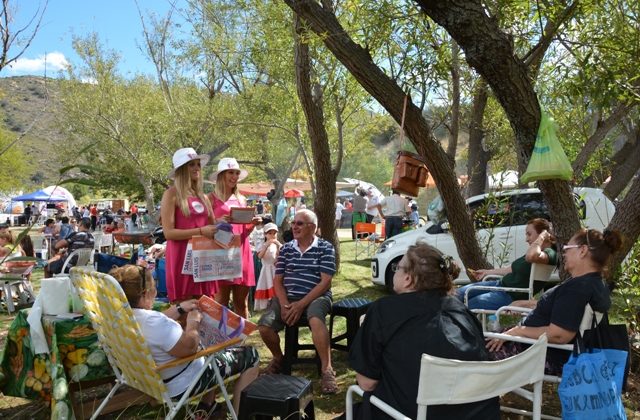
(559, 311)
(168, 341)
(185, 212)
(423, 317)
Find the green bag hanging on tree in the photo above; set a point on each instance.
(548, 160)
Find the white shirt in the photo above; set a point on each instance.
(396, 206)
(339, 208)
(372, 208)
(162, 333)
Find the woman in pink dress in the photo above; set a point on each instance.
(224, 197)
(185, 212)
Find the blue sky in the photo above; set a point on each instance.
(116, 22)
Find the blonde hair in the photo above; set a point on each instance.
(186, 188)
(220, 190)
(8, 236)
(130, 278)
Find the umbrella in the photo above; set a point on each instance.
(366, 186)
(293, 193)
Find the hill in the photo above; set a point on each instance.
(31, 104)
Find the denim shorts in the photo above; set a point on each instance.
(271, 318)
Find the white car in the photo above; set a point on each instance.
(500, 219)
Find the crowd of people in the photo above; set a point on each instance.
(291, 281)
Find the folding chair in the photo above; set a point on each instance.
(129, 355)
(461, 382)
(539, 273)
(585, 325)
(365, 239)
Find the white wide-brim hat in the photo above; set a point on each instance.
(186, 155)
(227, 164)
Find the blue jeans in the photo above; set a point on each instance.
(484, 299)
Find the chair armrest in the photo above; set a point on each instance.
(506, 309)
(492, 288)
(525, 340)
(201, 353)
(491, 277)
(375, 401)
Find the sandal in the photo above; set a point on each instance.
(328, 382)
(273, 368)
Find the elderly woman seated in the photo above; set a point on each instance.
(423, 317)
(169, 341)
(559, 311)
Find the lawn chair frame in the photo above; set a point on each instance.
(127, 351)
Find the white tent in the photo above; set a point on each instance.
(504, 179)
(58, 190)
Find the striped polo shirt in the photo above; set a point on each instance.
(301, 271)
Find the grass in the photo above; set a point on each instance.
(353, 280)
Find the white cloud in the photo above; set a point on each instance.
(54, 62)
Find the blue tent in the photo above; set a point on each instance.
(39, 195)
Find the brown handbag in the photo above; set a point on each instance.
(410, 173)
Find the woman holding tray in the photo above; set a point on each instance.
(185, 212)
(225, 197)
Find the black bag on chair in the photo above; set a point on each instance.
(603, 335)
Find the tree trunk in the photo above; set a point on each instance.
(478, 156)
(391, 96)
(490, 52)
(603, 128)
(311, 101)
(626, 222)
(455, 101)
(627, 163)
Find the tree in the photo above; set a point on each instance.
(20, 38)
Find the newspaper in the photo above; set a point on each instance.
(219, 324)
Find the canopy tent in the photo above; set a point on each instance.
(58, 190)
(40, 195)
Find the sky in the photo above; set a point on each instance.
(116, 22)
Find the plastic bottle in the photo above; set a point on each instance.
(493, 324)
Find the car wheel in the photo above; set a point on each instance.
(388, 275)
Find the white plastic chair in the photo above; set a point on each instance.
(107, 242)
(585, 324)
(85, 258)
(448, 381)
(40, 245)
(97, 240)
(539, 272)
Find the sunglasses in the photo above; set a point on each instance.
(567, 247)
(300, 223)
